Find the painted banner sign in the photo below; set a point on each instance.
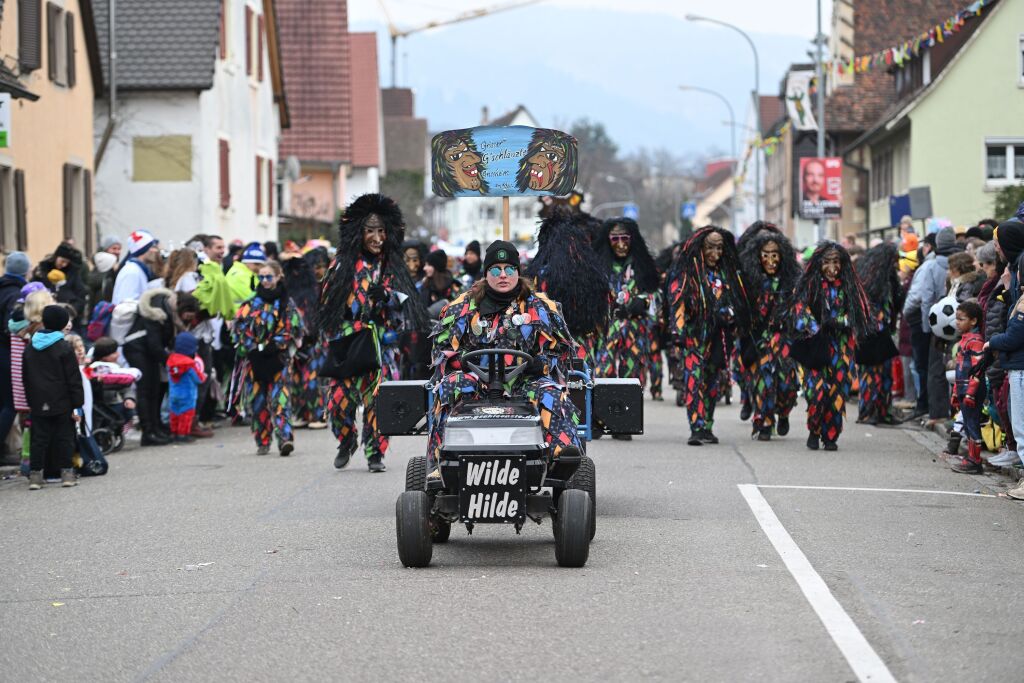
(821, 187)
(503, 161)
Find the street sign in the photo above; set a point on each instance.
(631, 211)
(687, 210)
(5, 120)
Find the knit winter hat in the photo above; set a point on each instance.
(109, 241)
(31, 288)
(104, 261)
(55, 318)
(438, 259)
(67, 251)
(254, 254)
(500, 251)
(186, 344)
(139, 242)
(103, 347)
(1010, 237)
(17, 263)
(945, 242)
(474, 247)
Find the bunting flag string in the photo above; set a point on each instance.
(901, 53)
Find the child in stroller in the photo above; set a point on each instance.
(113, 386)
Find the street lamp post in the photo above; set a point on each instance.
(615, 179)
(732, 135)
(757, 99)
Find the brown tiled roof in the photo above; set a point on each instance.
(879, 24)
(366, 118)
(406, 146)
(772, 109)
(397, 101)
(315, 52)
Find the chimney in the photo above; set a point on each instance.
(485, 116)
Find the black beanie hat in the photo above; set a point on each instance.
(438, 259)
(65, 250)
(474, 247)
(501, 251)
(103, 347)
(1010, 236)
(55, 318)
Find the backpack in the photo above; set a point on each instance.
(122, 319)
(99, 321)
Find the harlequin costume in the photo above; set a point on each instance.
(568, 271)
(267, 332)
(308, 398)
(633, 290)
(363, 292)
(520, 319)
(707, 308)
(768, 374)
(826, 317)
(877, 270)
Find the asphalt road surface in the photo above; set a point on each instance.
(741, 561)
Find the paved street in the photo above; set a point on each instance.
(208, 563)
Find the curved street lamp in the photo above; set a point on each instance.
(732, 135)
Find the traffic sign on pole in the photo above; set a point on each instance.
(687, 210)
(631, 211)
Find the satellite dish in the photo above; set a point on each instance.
(292, 169)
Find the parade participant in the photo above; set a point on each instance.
(308, 400)
(567, 270)
(741, 374)
(770, 272)
(829, 312)
(633, 292)
(241, 276)
(438, 284)
(414, 254)
(471, 265)
(503, 311)
(707, 306)
(367, 293)
(267, 332)
(969, 391)
(878, 270)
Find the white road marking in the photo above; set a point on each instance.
(864, 661)
(853, 488)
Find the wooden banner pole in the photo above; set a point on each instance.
(505, 219)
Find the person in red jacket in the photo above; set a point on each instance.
(968, 390)
(185, 372)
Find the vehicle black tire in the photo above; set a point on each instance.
(416, 473)
(572, 539)
(412, 524)
(440, 530)
(585, 479)
(118, 442)
(104, 439)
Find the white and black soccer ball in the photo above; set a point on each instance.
(942, 318)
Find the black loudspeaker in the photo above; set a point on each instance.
(401, 406)
(619, 405)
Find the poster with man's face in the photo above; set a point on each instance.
(821, 187)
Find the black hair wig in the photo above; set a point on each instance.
(753, 273)
(752, 231)
(809, 288)
(645, 271)
(568, 270)
(337, 285)
(444, 181)
(878, 270)
(551, 143)
(689, 264)
(303, 288)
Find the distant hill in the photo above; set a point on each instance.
(621, 68)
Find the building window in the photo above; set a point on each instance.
(8, 212)
(30, 35)
(254, 39)
(1004, 161)
(1020, 60)
(78, 206)
(225, 29)
(162, 159)
(60, 45)
(224, 157)
(881, 175)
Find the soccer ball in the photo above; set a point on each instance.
(942, 318)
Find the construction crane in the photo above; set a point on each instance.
(397, 33)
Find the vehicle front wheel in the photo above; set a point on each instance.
(585, 479)
(416, 473)
(572, 537)
(412, 524)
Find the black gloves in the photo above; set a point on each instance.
(535, 368)
(636, 307)
(378, 293)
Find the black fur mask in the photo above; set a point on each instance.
(644, 270)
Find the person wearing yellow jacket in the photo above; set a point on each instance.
(242, 275)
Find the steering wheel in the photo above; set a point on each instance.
(496, 369)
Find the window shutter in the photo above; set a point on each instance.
(259, 185)
(69, 20)
(52, 17)
(90, 235)
(259, 48)
(30, 35)
(19, 210)
(68, 201)
(225, 178)
(271, 187)
(248, 40)
(223, 32)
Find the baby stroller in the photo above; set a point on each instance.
(107, 424)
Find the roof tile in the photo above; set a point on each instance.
(366, 117)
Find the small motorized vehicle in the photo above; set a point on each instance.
(494, 465)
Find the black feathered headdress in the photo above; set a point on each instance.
(809, 288)
(644, 270)
(303, 288)
(337, 285)
(754, 275)
(689, 264)
(567, 270)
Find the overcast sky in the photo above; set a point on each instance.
(618, 62)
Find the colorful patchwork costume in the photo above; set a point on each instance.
(310, 393)
(878, 273)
